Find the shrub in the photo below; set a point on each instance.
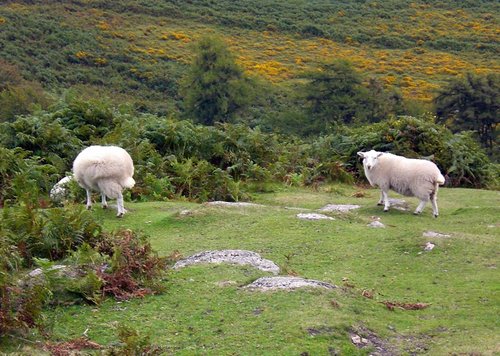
(20, 308)
(461, 160)
(135, 270)
(48, 233)
(21, 176)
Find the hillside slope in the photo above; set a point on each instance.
(140, 49)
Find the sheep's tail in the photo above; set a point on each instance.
(440, 179)
(129, 182)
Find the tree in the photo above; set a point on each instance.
(380, 103)
(472, 103)
(333, 93)
(215, 88)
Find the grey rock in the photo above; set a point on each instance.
(399, 204)
(313, 216)
(376, 224)
(232, 204)
(342, 208)
(286, 283)
(434, 234)
(429, 246)
(238, 257)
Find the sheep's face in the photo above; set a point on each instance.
(370, 159)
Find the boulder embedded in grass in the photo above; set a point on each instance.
(342, 208)
(232, 204)
(286, 283)
(313, 216)
(238, 257)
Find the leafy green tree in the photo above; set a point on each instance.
(333, 93)
(379, 102)
(215, 88)
(472, 103)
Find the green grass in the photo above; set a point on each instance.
(204, 310)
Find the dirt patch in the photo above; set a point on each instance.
(321, 330)
(286, 283)
(364, 338)
(237, 257)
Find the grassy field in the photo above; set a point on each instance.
(205, 310)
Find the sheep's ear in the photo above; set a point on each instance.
(361, 154)
(380, 154)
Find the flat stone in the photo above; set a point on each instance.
(237, 257)
(399, 204)
(313, 216)
(376, 224)
(38, 271)
(343, 208)
(429, 246)
(232, 204)
(286, 283)
(434, 234)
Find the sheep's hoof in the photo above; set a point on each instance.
(380, 203)
(436, 215)
(89, 207)
(386, 210)
(416, 213)
(120, 215)
(104, 206)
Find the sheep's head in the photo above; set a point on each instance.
(370, 158)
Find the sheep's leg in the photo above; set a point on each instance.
(385, 199)
(381, 200)
(104, 202)
(119, 205)
(435, 210)
(89, 199)
(420, 207)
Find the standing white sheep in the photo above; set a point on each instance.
(410, 177)
(106, 169)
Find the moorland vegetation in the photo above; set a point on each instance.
(214, 101)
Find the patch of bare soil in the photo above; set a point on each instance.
(364, 338)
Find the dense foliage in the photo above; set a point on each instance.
(176, 158)
(473, 103)
(92, 263)
(215, 86)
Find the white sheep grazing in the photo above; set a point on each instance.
(411, 177)
(106, 169)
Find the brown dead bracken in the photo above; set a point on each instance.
(68, 347)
